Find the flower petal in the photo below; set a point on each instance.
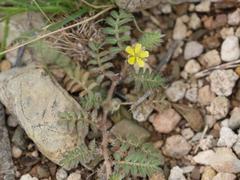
(140, 62)
(131, 60)
(130, 50)
(138, 48)
(144, 54)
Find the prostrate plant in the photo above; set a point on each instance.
(97, 83)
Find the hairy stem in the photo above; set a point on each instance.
(105, 141)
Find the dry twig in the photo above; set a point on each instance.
(228, 65)
(106, 110)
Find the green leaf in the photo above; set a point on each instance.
(72, 158)
(150, 40)
(147, 80)
(117, 28)
(109, 30)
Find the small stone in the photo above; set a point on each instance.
(42, 171)
(204, 6)
(230, 49)
(195, 22)
(19, 138)
(176, 173)
(227, 137)
(158, 176)
(176, 91)
(185, 18)
(234, 18)
(192, 94)
(220, 21)
(166, 121)
(195, 173)
(12, 121)
(5, 65)
(16, 152)
(142, 112)
(166, 9)
(187, 169)
(234, 121)
(180, 30)
(236, 147)
(223, 81)
(187, 133)
(225, 32)
(170, 149)
(74, 176)
(208, 173)
(61, 174)
(192, 66)
(193, 49)
(206, 143)
(35, 154)
(191, 7)
(210, 59)
(219, 107)
(224, 176)
(126, 128)
(27, 177)
(205, 95)
(222, 160)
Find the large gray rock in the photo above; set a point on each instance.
(36, 100)
(137, 5)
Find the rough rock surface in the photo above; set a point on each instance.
(219, 107)
(222, 160)
(136, 5)
(166, 121)
(230, 49)
(193, 49)
(227, 137)
(176, 174)
(223, 81)
(176, 91)
(182, 148)
(23, 91)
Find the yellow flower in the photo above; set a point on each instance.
(136, 54)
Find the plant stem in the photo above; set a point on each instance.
(105, 141)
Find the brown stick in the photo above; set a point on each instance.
(105, 134)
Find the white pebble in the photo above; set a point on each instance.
(176, 173)
(223, 81)
(176, 91)
(192, 66)
(28, 177)
(195, 22)
(234, 18)
(61, 174)
(193, 49)
(219, 107)
(227, 137)
(230, 49)
(16, 152)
